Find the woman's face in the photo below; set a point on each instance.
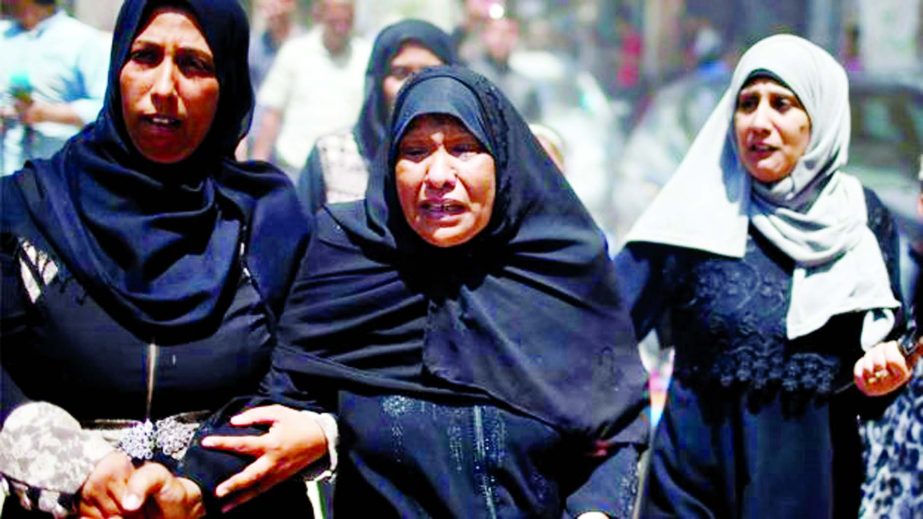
(446, 181)
(410, 59)
(169, 87)
(772, 129)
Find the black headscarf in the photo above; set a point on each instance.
(157, 246)
(372, 127)
(526, 312)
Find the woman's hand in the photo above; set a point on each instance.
(881, 370)
(155, 493)
(116, 489)
(294, 441)
(102, 492)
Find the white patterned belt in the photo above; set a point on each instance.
(142, 440)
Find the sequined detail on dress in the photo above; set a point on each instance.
(169, 436)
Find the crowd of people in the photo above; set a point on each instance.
(361, 264)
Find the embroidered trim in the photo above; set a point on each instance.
(760, 370)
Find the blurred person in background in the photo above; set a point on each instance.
(628, 68)
(500, 37)
(280, 24)
(779, 274)
(52, 79)
(314, 87)
(551, 142)
(707, 51)
(466, 37)
(337, 169)
(851, 55)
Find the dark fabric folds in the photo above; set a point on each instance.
(526, 314)
(158, 245)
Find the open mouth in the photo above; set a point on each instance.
(761, 148)
(162, 121)
(442, 207)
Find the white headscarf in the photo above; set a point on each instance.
(816, 216)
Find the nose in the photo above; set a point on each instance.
(761, 116)
(440, 174)
(164, 83)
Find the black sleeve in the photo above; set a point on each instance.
(611, 487)
(14, 323)
(646, 275)
(208, 467)
(312, 193)
(884, 228)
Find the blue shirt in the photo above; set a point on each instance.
(65, 61)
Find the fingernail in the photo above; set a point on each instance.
(221, 491)
(207, 442)
(131, 502)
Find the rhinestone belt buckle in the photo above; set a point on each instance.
(169, 436)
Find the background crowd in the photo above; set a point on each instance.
(625, 83)
(615, 91)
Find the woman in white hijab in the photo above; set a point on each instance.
(778, 273)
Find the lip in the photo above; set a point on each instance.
(161, 122)
(760, 149)
(440, 209)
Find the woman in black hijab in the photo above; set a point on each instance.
(463, 322)
(142, 267)
(337, 169)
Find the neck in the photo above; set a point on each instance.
(33, 14)
(499, 64)
(280, 30)
(332, 45)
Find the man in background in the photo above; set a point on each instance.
(315, 86)
(279, 24)
(500, 35)
(52, 79)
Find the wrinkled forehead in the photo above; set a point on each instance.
(434, 122)
(172, 8)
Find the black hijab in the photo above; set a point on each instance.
(157, 246)
(527, 312)
(372, 127)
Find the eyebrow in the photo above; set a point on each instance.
(204, 53)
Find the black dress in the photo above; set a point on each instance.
(755, 425)
(431, 449)
(498, 377)
(64, 349)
